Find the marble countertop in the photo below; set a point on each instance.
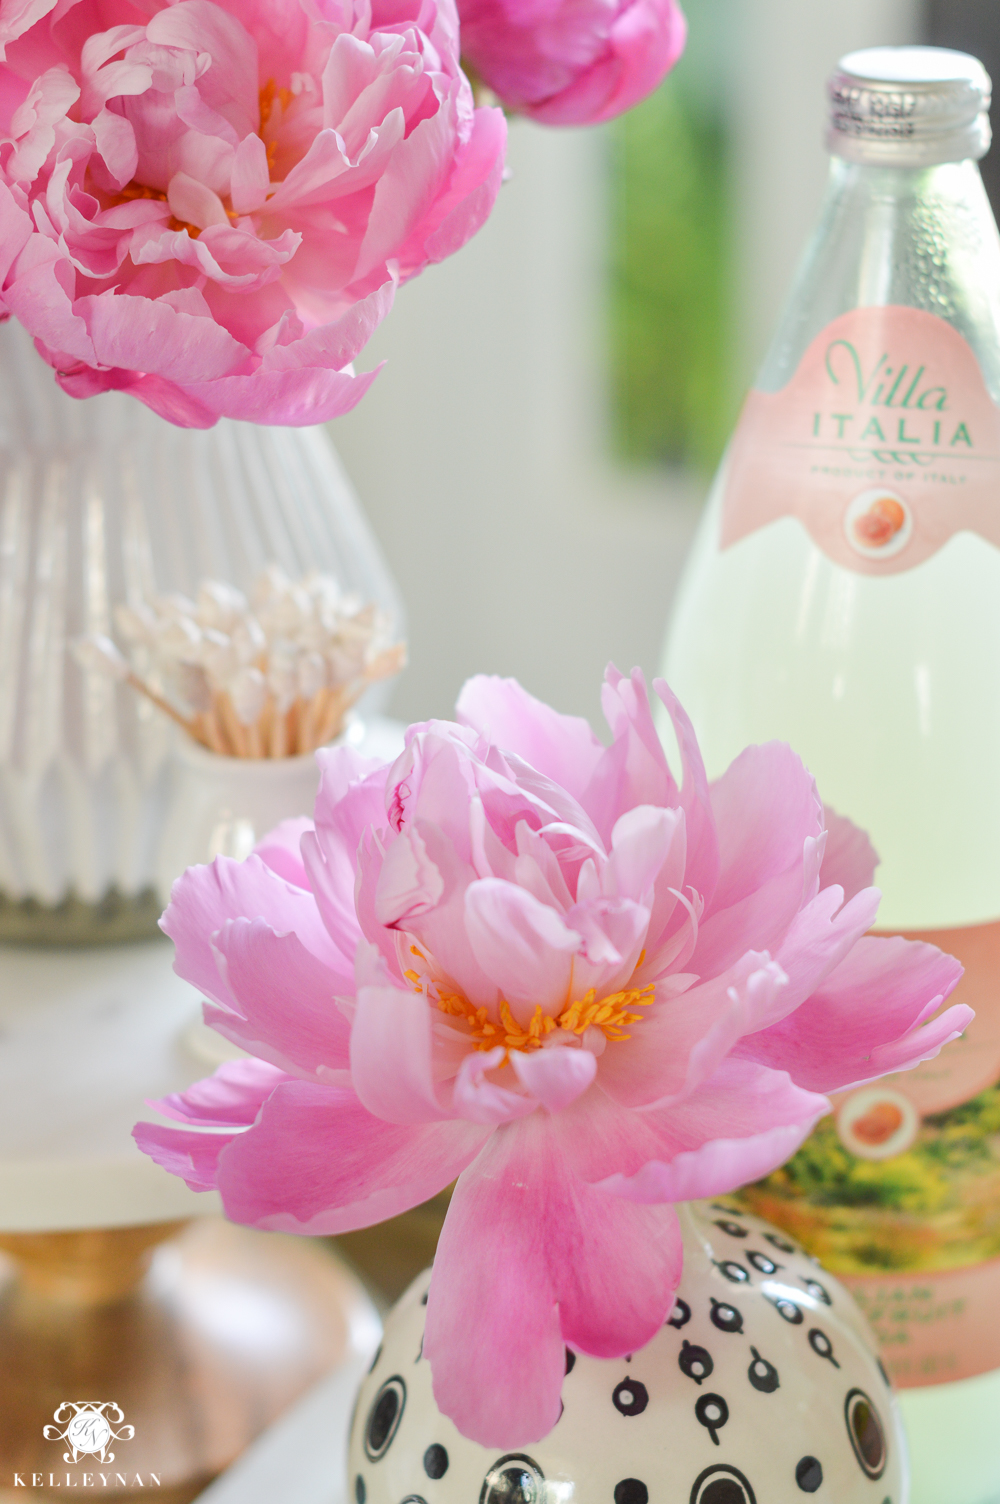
(86, 1038)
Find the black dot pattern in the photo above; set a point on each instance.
(384, 1417)
(695, 1361)
(732, 1228)
(724, 1316)
(360, 1491)
(631, 1491)
(864, 1427)
(808, 1474)
(821, 1345)
(712, 1412)
(787, 1309)
(777, 1241)
(762, 1374)
(570, 1360)
(680, 1315)
(761, 1262)
(722, 1485)
(722, 1491)
(817, 1291)
(435, 1460)
(732, 1271)
(630, 1397)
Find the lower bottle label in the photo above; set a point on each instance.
(898, 1192)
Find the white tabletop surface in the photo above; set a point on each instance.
(86, 1038)
(303, 1456)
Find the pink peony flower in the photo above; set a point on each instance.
(572, 62)
(210, 203)
(535, 964)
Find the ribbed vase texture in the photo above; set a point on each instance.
(103, 502)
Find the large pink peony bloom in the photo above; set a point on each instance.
(572, 62)
(210, 203)
(552, 974)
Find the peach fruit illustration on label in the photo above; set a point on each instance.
(877, 1123)
(878, 522)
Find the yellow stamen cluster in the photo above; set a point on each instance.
(135, 190)
(268, 94)
(611, 1014)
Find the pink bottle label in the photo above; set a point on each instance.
(883, 444)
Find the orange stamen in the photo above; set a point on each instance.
(611, 1014)
(268, 94)
(134, 190)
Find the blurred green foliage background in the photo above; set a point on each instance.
(670, 324)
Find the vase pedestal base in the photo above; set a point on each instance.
(201, 1335)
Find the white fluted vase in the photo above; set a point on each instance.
(103, 502)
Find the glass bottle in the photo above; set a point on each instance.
(843, 594)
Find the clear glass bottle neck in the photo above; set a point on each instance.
(921, 237)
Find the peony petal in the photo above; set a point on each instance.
(281, 850)
(702, 872)
(286, 997)
(251, 177)
(633, 770)
(230, 85)
(472, 189)
(18, 16)
(481, 1100)
(231, 1098)
(640, 844)
(612, 933)
(35, 294)
(409, 883)
(192, 203)
(204, 898)
(15, 230)
(765, 807)
(850, 858)
(563, 747)
(287, 399)
(763, 917)
(317, 1162)
(529, 1261)
(738, 1126)
(865, 1017)
(682, 1039)
(523, 945)
(391, 1050)
(556, 1076)
(348, 804)
(148, 335)
(819, 937)
(192, 1157)
(441, 931)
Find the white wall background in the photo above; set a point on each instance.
(480, 454)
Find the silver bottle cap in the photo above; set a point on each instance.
(909, 107)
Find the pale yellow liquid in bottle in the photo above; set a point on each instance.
(889, 689)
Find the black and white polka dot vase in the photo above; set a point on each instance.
(762, 1386)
